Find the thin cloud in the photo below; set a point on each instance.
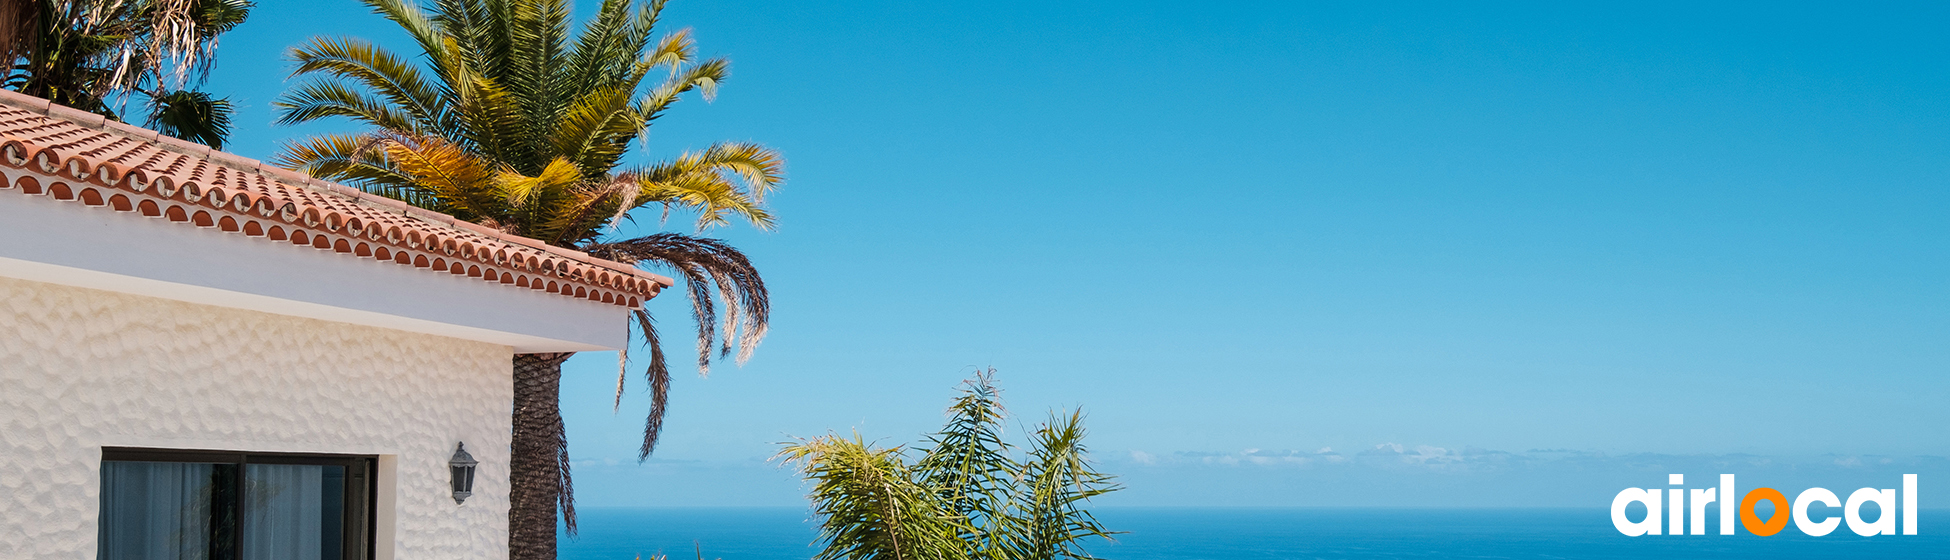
(1391, 456)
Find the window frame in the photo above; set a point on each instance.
(361, 490)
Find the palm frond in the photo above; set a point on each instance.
(566, 498)
(592, 127)
(673, 51)
(730, 178)
(658, 375)
(466, 186)
(392, 77)
(966, 497)
(416, 24)
(606, 47)
(710, 267)
(321, 99)
(349, 158)
(182, 38)
(969, 468)
(555, 181)
(492, 126)
(705, 76)
(869, 505)
(465, 37)
(538, 30)
(573, 219)
(1060, 481)
(191, 115)
(99, 55)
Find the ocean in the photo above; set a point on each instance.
(1242, 533)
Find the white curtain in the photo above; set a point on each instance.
(284, 512)
(155, 511)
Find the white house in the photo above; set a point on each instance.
(205, 356)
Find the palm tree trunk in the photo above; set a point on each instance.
(538, 459)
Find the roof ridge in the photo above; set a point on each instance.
(297, 178)
(66, 144)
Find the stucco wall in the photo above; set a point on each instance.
(83, 369)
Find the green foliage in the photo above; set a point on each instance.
(874, 504)
(191, 115)
(538, 113)
(96, 55)
(967, 496)
(512, 117)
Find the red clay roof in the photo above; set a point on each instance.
(48, 149)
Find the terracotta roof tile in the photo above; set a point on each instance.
(74, 155)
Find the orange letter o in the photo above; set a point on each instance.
(1774, 523)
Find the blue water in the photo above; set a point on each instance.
(1229, 534)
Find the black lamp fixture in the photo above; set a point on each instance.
(462, 466)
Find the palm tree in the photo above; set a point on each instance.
(512, 120)
(96, 55)
(966, 496)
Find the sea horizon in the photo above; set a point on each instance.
(1271, 532)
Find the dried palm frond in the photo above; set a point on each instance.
(712, 270)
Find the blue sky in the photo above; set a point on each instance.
(1563, 248)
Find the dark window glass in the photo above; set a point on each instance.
(167, 511)
(286, 512)
(171, 505)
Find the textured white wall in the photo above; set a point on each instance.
(83, 369)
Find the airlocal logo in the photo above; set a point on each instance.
(1885, 501)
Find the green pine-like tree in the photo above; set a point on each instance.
(967, 495)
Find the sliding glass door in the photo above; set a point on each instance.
(191, 505)
(167, 511)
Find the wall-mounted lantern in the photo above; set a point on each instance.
(462, 466)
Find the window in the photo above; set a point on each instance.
(205, 505)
